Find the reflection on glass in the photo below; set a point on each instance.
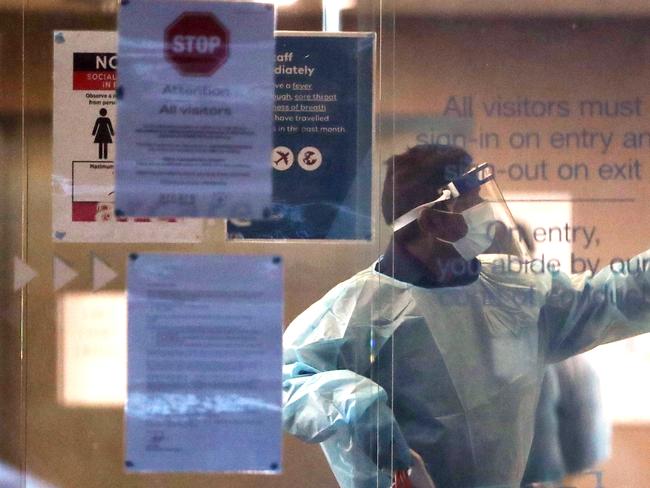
(547, 216)
(623, 368)
(92, 349)
(12, 477)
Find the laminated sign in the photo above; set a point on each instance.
(196, 99)
(85, 133)
(322, 139)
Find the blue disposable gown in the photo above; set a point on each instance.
(378, 366)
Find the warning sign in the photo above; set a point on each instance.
(196, 84)
(196, 43)
(94, 71)
(322, 135)
(85, 132)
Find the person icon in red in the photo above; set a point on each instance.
(103, 132)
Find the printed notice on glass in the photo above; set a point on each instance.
(204, 363)
(196, 100)
(85, 132)
(322, 155)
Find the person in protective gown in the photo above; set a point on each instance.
(433, 357)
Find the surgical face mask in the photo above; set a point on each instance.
(480, 231)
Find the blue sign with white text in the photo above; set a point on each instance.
(322, 155)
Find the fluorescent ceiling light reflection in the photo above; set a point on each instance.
(92, 349)
(278, 3)
(339, 4)
(332, 13)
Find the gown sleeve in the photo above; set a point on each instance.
(344, 411)
(582, 312)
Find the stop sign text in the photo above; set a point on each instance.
(196, 43)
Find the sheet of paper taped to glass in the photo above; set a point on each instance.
(378, 366)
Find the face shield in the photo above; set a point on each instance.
(471, 215)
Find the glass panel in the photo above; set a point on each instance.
(12, 219)
(412, 355)
(554, 102)
(75, 320)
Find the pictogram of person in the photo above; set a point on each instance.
(103, 132)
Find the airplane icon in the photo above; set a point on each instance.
(282, 158)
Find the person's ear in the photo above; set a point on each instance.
(443, 225)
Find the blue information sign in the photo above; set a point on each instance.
(322, 155)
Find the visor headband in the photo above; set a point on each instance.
(415, 213)
(474, 178)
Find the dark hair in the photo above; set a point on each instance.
(414, 176)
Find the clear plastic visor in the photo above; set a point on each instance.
(463, 196)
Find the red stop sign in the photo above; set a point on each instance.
(196, 43)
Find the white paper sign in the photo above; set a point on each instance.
(84, 137)
(204, 363)
(196, 100)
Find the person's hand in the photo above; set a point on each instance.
(419, 475)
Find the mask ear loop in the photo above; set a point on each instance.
(415, 213)
(446, 212)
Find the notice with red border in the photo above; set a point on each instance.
(84, 137)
